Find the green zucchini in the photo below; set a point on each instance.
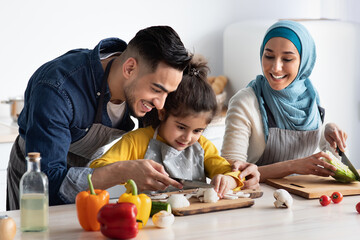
(158, 206)
(343, 173)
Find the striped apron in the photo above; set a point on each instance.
(284, 144)
(80, 154)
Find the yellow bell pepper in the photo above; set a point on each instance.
(141, 201)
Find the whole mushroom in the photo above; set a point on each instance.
(283, 198)
(163, 219)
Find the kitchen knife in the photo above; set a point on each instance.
(347, 162)
(193, 184)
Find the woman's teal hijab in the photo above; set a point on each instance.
(296, 106)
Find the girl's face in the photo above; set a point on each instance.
(280, 62)
(182, 132)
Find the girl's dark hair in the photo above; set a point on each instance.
(160, 44)
(193, 95)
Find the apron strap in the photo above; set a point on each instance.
(156, 132)
(98, 117)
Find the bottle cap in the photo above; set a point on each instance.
(34, 156)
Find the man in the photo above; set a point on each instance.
(73, 108)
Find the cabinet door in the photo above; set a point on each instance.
(215, 133)
(5, 149)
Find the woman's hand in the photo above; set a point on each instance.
(313, 165)
(248, 171)
(335, 136)
(223, 183)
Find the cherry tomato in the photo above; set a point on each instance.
(325, 200)
(358, 207)
(336, 197)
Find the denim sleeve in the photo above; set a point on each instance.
(46, 130)
(74, 182)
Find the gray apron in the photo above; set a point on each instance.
(186, 164)
(284, 144)
(80, 154)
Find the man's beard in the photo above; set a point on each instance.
(130, 101)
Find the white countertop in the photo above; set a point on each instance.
(8, 130)
(307, 219)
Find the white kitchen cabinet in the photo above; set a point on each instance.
(5, 149)
(8, 134)
(215, 132)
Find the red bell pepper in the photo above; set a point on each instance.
(118, 220)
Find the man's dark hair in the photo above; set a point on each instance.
(160, 44)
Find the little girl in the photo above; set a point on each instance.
(175, 139)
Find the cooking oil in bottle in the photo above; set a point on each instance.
(34, 197)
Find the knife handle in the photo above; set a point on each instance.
(339, 151)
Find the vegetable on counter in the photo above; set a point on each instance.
(118, 220)
(141, 201)
(159, 206)
(343, 172)
(358, 207)
(7, 228)
(163, 219)
(325, 200)
(88, 204)
(336, 197)
(210, 195)
(178, 201)
(283, 198)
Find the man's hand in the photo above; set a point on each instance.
(248, 171)
(147, 174)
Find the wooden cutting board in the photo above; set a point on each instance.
(197, 207)
(311, 186)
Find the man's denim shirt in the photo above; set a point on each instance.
(60, 106)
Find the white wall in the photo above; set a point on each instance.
(36, 31)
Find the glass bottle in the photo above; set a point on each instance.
(34, 196)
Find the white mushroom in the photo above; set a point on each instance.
(242, 194)
(200, 192)
(178, 201)
(163, 219)
(159, 196)
(283, 198)
(210, 195)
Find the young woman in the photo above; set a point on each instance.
(175, 139)
(276, 122)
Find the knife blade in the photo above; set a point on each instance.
(193, 184)
(347, 162)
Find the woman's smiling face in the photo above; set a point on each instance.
(280, 62)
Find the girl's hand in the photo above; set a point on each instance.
(335, 136)
(313, 165)
(223, 183)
